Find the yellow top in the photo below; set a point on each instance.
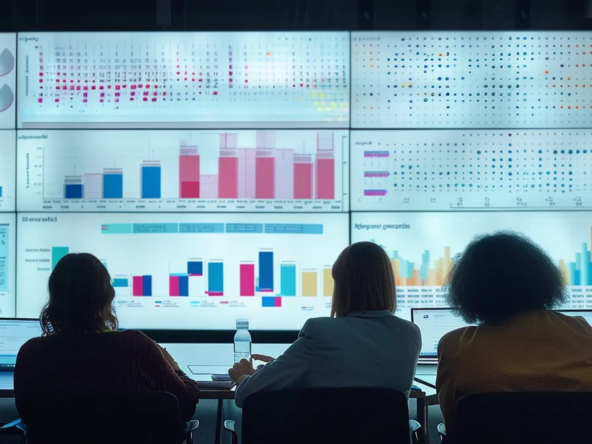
(536, 351)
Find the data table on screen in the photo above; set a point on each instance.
(7, 80)
(180, 271)
(422, 247)
(481, 79)
(7, 265)
(451, 170)
(7, 170)
(184, 80)
(183, 171)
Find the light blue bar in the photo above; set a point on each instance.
(179, 274)
(288, 279)
(116, 228)
(4, 258)
(120, 283)
(244, 228)
(201, 228)
(294, 228)
(155, 228)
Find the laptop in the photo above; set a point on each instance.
(436, 322)
(433, 324)
(13, 334)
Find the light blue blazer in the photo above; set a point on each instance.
(372, 349)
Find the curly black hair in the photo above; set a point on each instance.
(500, 275)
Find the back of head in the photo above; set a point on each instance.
(80, 297)
(501, 275)
(364, 280)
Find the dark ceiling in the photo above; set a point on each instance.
(130, 15)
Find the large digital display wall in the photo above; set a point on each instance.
(218, 175)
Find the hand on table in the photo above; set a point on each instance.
(240, 370)
(263, 358)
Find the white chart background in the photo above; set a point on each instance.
(46, 157)
(153, 254)
(7, 297)
(211, 79)
(7, 169)
(471, 79)
(560, 234)
(443, 170)
(7, 80)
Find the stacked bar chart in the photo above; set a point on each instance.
(260, 170)
(210, 268)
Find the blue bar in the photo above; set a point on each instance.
(120, 283)
(267, 301)
(0, 191)
(150, 182)
(216, 278)
(294, 228)
(201, 228)
(147, 285)
(183, 285)
(112, 186)
(288, 279)
(73, 191)
(244, 228)
(266, 271)
(572, 274)
(195, 268)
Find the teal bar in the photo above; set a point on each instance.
(155, 228)
(58, 253)
(120, 282)
(116, 229)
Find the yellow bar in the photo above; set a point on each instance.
(309, 283)
(328, 282)
(566, 277)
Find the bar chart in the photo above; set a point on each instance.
(233, 170)
(422, 247)
(7, 170)
(184, 80)
(211, 268)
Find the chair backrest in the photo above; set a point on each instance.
(102, 417)
(523, 418)
(337, 415)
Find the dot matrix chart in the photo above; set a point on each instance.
(184, 80)
(409, 170)
(471, 80)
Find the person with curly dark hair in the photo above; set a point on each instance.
(81, 349)
(508, 286)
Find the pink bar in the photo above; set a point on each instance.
(325, 179)
(209, 186)
(138, 286)
(247, 279)
(284, 174)
(189, 174)
(265, 178)
(214, 293)
(173, 285)
(228, 178)
(303, 181)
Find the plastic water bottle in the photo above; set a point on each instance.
(242, 341)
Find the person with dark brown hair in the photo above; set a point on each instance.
(81, 349)
(362, 344)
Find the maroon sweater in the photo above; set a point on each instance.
(127, 360)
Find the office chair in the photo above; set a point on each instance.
(336, 415)
(92, 417)
(521, 418)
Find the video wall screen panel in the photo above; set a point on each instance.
(481, 79)
(454, 170)
(184, 171)
(7, 170)
(422, 247)
(182, 271)
(7, 80)
(7, 265)
(184, 80)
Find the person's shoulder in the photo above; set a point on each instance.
(131, 335)
(452, 338)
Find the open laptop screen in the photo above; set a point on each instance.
(13, 334)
